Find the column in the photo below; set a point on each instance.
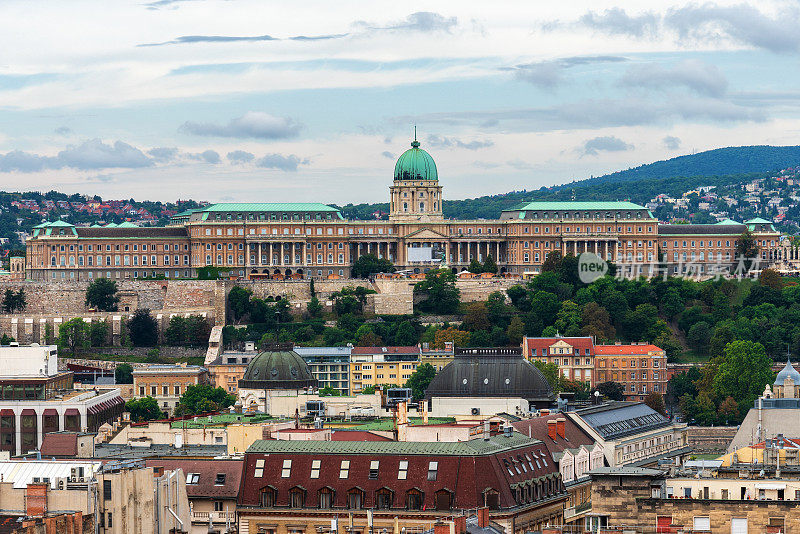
(84, 419)
(60, 419)
(18, 429)
(39, 429)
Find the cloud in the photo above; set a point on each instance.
(741, 23)
(671, 143)
(616, 21)
(163, 154)
(387, 154)
(190, 39)
(90, 155)
(549, 74)
(694, 74)
(279, 161)
(239, 157)
(254, 124)
(208, 156)
(604, 143)
(453, 142)
(421, 21)
(62, 130)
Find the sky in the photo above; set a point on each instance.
(236, 100)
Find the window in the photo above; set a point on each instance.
(193, 478)
(402, 471)
(286, 472)
(344, 470)
(297, 498)
(268, 497)
(414, 500)
(373, 469)
(383, 499)
(315, 468)
(355, 499)
(702, 523)
(220, 480)
(107, 490)
(218, 507)
(433, 469)
(109, 523)
(326, 498)
(259, 471)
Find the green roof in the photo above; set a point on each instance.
(728, 222)
(572, 205)
(269, 206)
(186, 213)
(126, 224)
(62, 224)
(388, 424)
(758, 220)
(111, 225)
(473, 447)
(415, 164)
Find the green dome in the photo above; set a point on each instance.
(278, 367)
(415, 164)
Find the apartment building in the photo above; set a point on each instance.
(375, 366)
(166, 383)
(329, 365)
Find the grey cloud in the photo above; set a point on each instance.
(240, 157)
(588, 60)
(279, 161)
(694, 74)
(671, 143)
(190, 39)
(62, 130)
(421, 21)
(519, 164)
(485, 164)
(387, 154)
(252, 124)
(549, 74)
(454, 142)
(742, 23)
(163, 154)
(90, 155)
(616, 21)
(208, 156)
(604, 143)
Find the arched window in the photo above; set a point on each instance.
(414, 499)
(384, 498)
(355, 499)
(269, 496)
(326, 496)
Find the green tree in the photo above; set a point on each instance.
(73, 334)
(123, 374)
(743, 373)
(314, 308)
(747, 248)
(611, 390)
(328, 391)
(515, 330)
(199, 398)
(98, 333)
(144, 409)
(102, 295)
(595, 321)
(142, 328)
(770, 278)
(239, 302)
(14, 301)
(420, 379)
(175, 334)
(551, 374)
(198, 331)
(490, 266)
(699, 336)
(477, 317)
(475, 266)
(656, 401)
(441, 295)
(406, 335)
(370, 264)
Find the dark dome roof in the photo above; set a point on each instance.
(278, 367)
(499, 372)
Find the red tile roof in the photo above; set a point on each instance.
(536, 428)
(386, 350)
(540, 343)
(208, 469)
(625, 349)
(60, 444)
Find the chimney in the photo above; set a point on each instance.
(460, 524)
(551, 429)
(440, 527)
(483, 517)
(561, 424)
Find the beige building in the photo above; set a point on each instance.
(376, 366)
(166, 383)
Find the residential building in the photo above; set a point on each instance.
(229, 367)
(376, 366)
(632, 433)
(396, 485)
(166, 383)
(212, 486)
(573, 355)
(640, 367)
(437, 358)
(329, 365)
(37, 398)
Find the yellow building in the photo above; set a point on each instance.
(438, 358)
(374, 366)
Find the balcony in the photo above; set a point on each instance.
(216, 517)
(574, 511)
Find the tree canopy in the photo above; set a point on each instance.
(201, 398)
(420, 379)
(102, 295)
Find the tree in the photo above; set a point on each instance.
(239, 302)
(14, 301)
(200, 398)
(123, 374)
(102, 295)
(420, 379)
(743, 372)
(314, 308)
(73, 334)
(655, 401)
(552, 263)
(406, 335)
(477, 317)
(475, 266)
(728, 410)
(611, 390)
(459, 338)
(770, 278)
(747, 249)
(595, 321)
(551, 374)
(490, 266)
(98, 333)
(144, 409)
(369, 264)
(440, 291)
(175, 334)
(515, 331)
(143, 329)
(328, 391)
(699, 336)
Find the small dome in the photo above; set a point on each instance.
(415, 164)
(278, 367)
(496, 372)
(787, 372)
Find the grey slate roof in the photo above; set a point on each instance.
(618, 419)
(701, 229)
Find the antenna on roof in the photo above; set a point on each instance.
(415, 132)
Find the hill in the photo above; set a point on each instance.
(722, 166)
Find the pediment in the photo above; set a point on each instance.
(425, 233)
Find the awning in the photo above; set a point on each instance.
(71, 411)
(28, 411)
(5, 412)
(770, 486)
(50, 411)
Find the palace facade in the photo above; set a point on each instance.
(257, 240)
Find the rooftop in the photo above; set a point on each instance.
(215, 477)
(625, 349)
(22, 472)
(572, 205)
(268, 206)
(108, 451)
(617, 419)
(627, 471)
